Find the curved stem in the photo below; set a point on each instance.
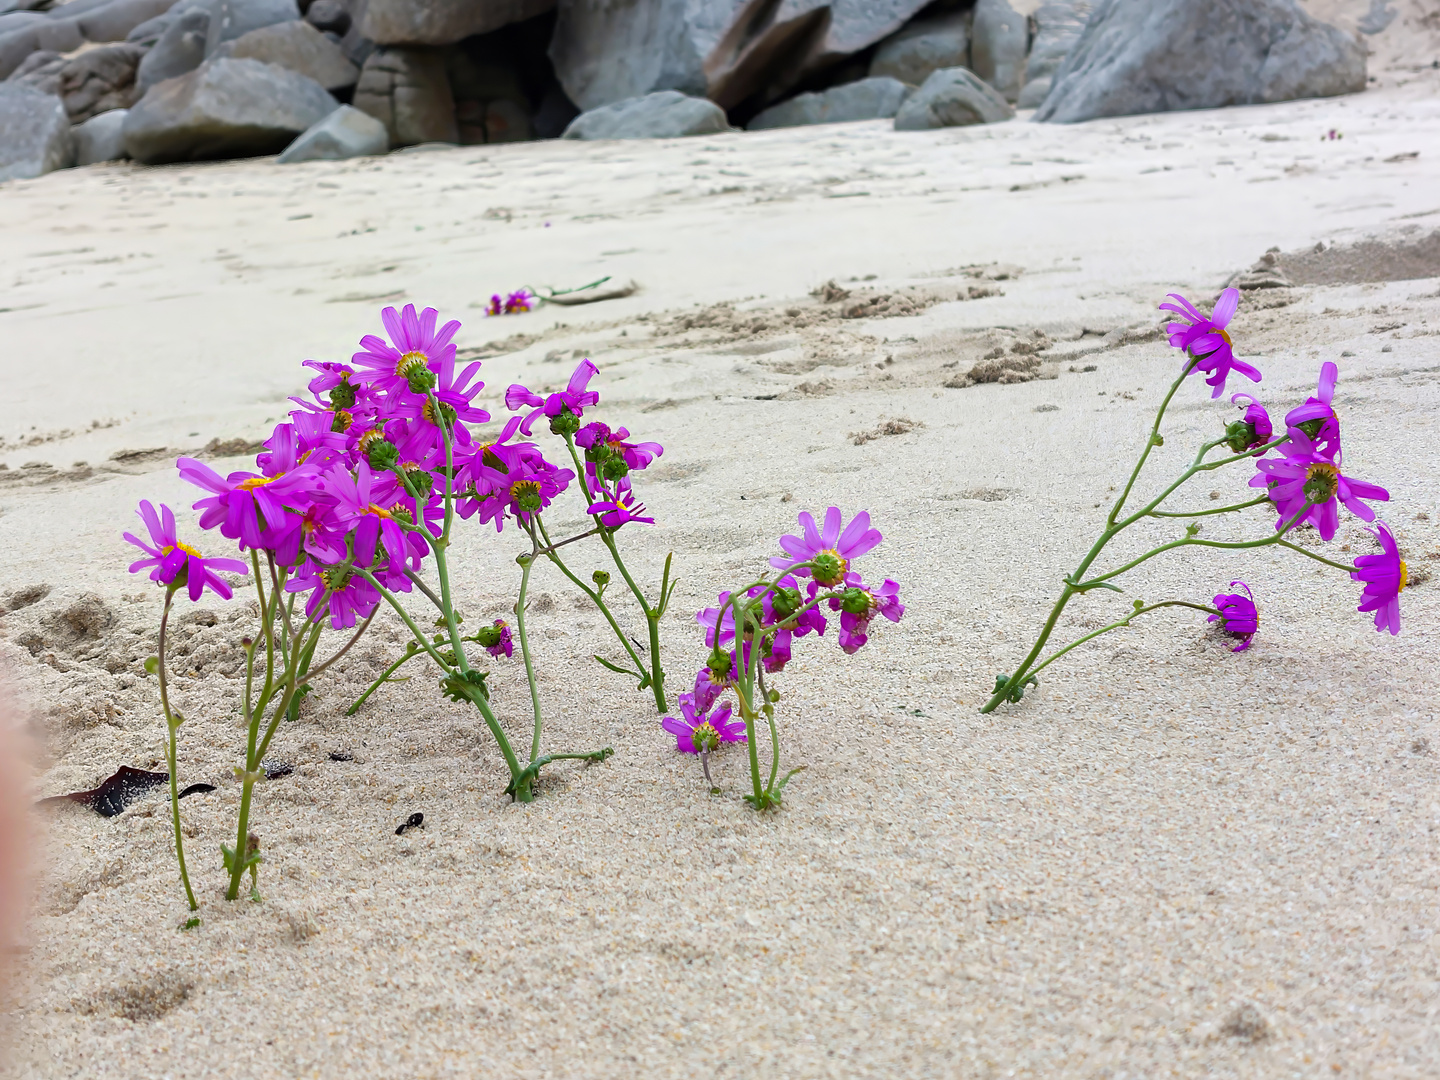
(173, 724)
(316, 672)
(526, 562)
(384, 678)
(1319, 558)
(1214, 510)
(1150, 443)
(595, 597)
(1116, 625)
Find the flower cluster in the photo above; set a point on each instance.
(1302, 473)
(514, 303)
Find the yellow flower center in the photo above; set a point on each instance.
(1404, 577)
(409, 363)
(255, 482)
(378, 511)
(191, 551)
(370, 437)
(1225, 336)
(705, 735)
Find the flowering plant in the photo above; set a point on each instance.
(356, 494)
(1300, 476)
(751, 632)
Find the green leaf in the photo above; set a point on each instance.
(152, 665)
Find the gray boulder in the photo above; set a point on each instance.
(34, 133)
(113, 20)
(99, 81)
(225, 108)
(442, 22)
(952, 97)
(329, 15)
(231, 19)
(868, 99)
(999, 39)
(408, 91)
(296, 46)
(925, 46)
(101, 138)
(665, 114)
(179, 50)
(727, 50)
(41, 69)
(1058, 25)
(345, 133)
(1147, 56)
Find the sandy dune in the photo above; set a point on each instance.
(1171, 860)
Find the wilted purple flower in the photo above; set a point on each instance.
(1207, 340)
(621, 508)
(707, 690)
(1251, 430)
(829, 550)
(696, 730)
(496, 639)
(573, 399)
(1305, 475)
(521, 300)
(1385, 576)
(496, 305)
(1317, 416)
(175, 562)
(859, 605)
(412, 358)
(1238, 615)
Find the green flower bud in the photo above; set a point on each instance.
(489, 636)
(382, 455)
(601, 578)
(566, 423)
(785, 602)
(342, 421)
(1240, 436)
(1321, 483)
(719, 665)
(829, 568)
(614, 469)
(855, 601)
(422, 481)
(342, 395)
(421, 380)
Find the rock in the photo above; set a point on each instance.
(408, 91)
(231, 19)
(225, 108)
(999, 38)
(113, 21)
(41, 69)
(1058, 25)
(328, 15)
(490, 104)
(345, 133)
(297, 46)
(1267, 273)
(443, 22)
(34, 133)
(1145, 56)
(925, 46)
(868, 99)
(99, 81)
(952, 97)
(666, 114)
(180, 49)
(101, 138)
(728, 50)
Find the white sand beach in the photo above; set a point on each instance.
(1170, 860)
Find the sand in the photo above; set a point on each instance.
(1170, 860)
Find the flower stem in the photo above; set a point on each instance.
(1116, 625)
(1215, 510)
(526, 562)
(172, 722)
(1151, 441)
(410, 653)
(1319, 558)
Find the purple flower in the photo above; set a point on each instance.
(496, 305)
(417, 349)
(176, 563)
(248, 507)
(593, 437)
(497, 639)
(829, 550)
(620, 508)
(1207, 340)
(527, 485)
(573, 399)
(1303, 476)
(859, 605)
(1251, 430)
(1317, 416)
(1385, 576)
(335, 591)
(519, 301)
(707, 690)
(695, 729)
(1238, 615)
(454, 394)
(373, 506)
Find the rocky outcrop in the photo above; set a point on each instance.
(1145, 56)
(443, 22)
(329, 15)
(179, 49)
(1058, 26)
(34, 133)
(296, 46)
(731, 51)
(999, 39)
(224, 108)
(101, 138)
(65, 28)
(952, 97)
(231, 19)
(408, 91)
(665, 114)
(924, 46)
(867, 99)
(345, 133)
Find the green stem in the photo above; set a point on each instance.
(173, 724)
(1151, 442)
(1116, 625)
(526, 562)
(1319, 558)
(384, 677)
(1206, 513)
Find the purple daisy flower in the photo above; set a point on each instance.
(455, 396)
(175, 562)
(574, 399)
(829, 549)
(1385, 576)
(859, 605)
(696, 730)
(621, 508)
(707, 690)
(1251, 430)
(1207, 340)
(1238, 615)
(520, 301)
(335, 591)
(247, 506)
(1305, 475)
(1317, 416)
(635, 455)
(528, 485)
(390, 367)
